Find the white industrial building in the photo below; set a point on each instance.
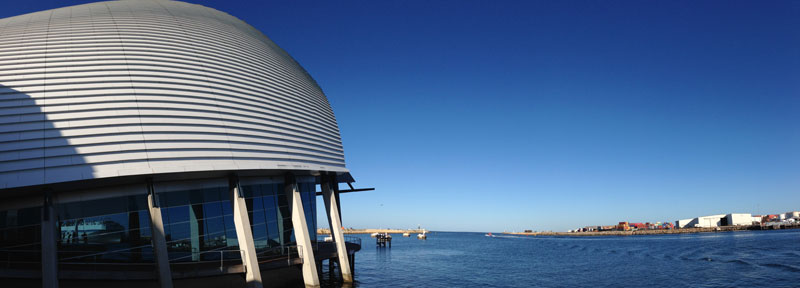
(737, 219)
(685, 223)
(716, 221)
(710, 221)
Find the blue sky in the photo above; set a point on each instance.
(549, 115)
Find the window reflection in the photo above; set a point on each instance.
(271, 221)
(308, 192)
(196, 222)
(105, 230)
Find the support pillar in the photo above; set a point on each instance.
(159, 240)
(244, 233)
(310, 275)
(49, 248)
(353, 264)
(330, 197)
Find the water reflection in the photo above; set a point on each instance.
(383, 254)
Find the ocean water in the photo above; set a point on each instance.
(448, 259)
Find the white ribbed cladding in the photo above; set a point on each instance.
(142, 87)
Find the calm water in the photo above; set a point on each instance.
(740, 259)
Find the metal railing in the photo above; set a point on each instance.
(124, 256)
(347, 239)
(212, 252)
(279, 252)
(352, 239)
(100, 255)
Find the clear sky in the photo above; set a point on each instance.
(549, 115)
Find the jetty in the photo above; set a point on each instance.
(383, 240)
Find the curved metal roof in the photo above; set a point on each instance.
(124, 88)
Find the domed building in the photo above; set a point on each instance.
(161, 143)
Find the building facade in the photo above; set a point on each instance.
(159, 141)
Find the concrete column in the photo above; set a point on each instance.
(49, 247)
(159, 242)
(300, 227)
(244, 233)
(335, 222)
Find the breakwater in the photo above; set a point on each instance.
(657, 231)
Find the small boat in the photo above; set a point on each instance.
(328, 239)
(489, 234)
(422, 235)
(373, 235)
(406, 234)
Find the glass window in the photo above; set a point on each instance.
(271, 222)
(113, 229)
(308, 194)
(198, 221)
(20, 234)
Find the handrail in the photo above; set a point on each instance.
(119, 251)
(221, 256)
(352, 239)
(290, 252)
(347, 239)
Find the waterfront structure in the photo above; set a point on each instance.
(161, 141)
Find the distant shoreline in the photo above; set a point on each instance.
(370, 231)
(652, 232)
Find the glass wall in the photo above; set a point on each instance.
(115, 229)
(112, 225)
(308, 192)
(198, 220)
(268, 208)
(20, 235)
(270, 217)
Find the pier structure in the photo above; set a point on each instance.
(383, 240)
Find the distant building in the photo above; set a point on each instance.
(710, 221)
(737, 219)
(684, 223)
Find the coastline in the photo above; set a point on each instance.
(324, 231)
(651, 232)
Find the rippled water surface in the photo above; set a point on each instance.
(726, 259)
